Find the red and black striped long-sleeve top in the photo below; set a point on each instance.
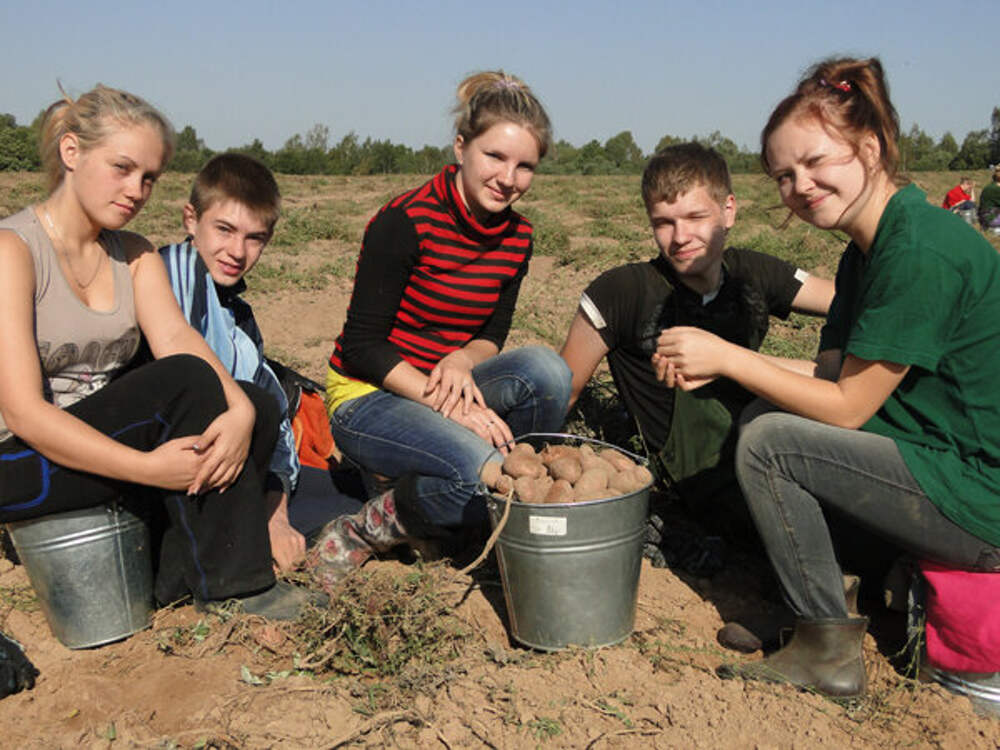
(429, 279)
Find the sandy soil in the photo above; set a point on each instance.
(657, 689)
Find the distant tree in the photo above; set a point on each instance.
(316, 138)
(305, 154)
(190, 153)
(667, 140)
(256, 149)
(561, 158)
(18, 145)
(591, 159)
(623, 153)
(948, 145)
(430, 159)
(345, 157)
(975, 151)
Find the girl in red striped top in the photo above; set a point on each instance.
(417, 388)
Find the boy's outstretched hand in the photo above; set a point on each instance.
(16, 672)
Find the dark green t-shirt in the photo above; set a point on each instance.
(927, 295)
(990, 197)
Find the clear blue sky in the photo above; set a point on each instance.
(240, 70)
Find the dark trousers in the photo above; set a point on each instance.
(214, 545)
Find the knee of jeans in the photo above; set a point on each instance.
(754, 440)
(549, 374)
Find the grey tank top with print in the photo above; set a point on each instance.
(80, 349)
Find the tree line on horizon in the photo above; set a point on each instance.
(312, 152)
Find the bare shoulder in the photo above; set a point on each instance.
(14, 251)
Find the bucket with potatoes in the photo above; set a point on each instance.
(573, 512)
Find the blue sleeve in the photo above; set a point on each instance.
(284, 461)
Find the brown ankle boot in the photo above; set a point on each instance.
(823, 655)
(764, 630)
(348, 541)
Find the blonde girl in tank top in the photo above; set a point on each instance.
(75, 293)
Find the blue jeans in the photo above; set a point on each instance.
(382, 432)
(791, 469)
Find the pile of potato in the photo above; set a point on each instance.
(569, 474)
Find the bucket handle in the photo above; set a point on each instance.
(493, 537)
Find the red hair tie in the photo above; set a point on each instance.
(842, 85)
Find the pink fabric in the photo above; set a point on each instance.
(963, 619)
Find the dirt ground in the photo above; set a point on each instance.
(197, 681)
(188, 682)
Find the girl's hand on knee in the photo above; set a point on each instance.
(487, 424)
(175, 464)
(451, 383)
(225, 444)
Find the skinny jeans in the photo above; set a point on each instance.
(215, 545)
(392, 435)
(792, 469)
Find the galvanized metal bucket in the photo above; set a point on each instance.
(982, 689)
(91, 570)
(570, 571)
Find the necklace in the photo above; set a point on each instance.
(62, 251)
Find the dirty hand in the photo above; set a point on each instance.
(688, 357)
(16, 672)
(451, 383)
(486, 423)
(224, 444)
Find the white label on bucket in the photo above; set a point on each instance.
(547, 525)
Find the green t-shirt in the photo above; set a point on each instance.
(927, 295)
(990, 197)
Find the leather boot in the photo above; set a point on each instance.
(348, 541)
(823, 655)
(765, 630)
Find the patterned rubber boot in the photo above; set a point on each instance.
(348, 541)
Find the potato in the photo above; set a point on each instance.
(551, 453)
(591, 479)
(632, 480)
(526, 449)
(521, 465)
(593, 461)
(561, 491)
(532, 489)
(566, 467)
(623, 483)
(504, 484)
(643, 475)
(617, 459)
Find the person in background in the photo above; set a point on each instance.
(960, 197)
(989, 204)
(897, 426)
(417, 389)
(230, 217)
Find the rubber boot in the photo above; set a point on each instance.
(764, 630)
(282, 601)
(348, 541)
(823, 655)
